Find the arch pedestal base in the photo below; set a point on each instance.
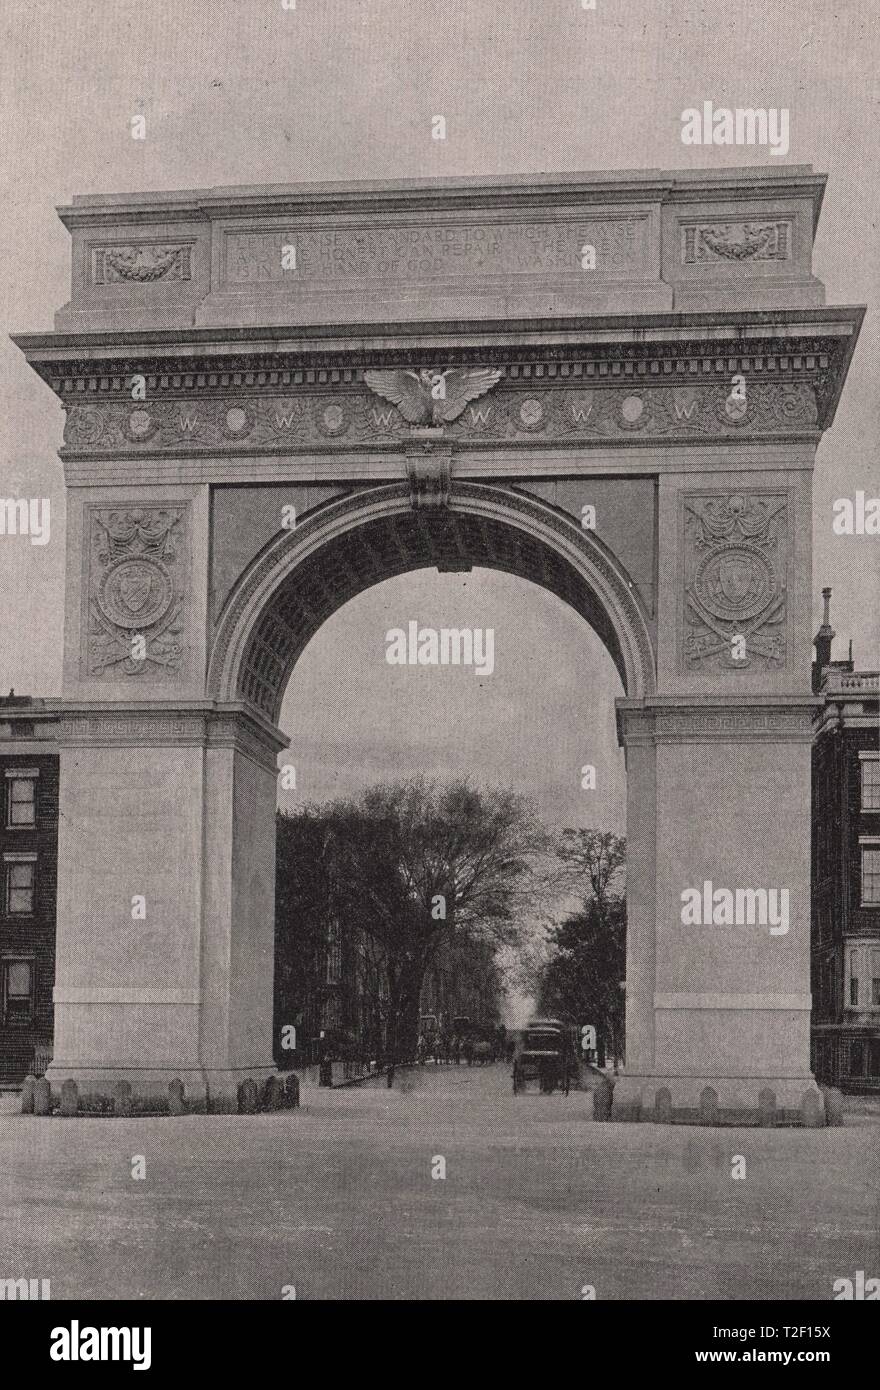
(206, 1092)
(166, 923)
(718, 910)
(719, 1100)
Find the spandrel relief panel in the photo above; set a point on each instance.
(136, 592)
(735, 548)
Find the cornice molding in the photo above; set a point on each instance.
(575, 331)
(807, 351)
(715, 719)
(532, 190)
(255, 373)
(196, 724)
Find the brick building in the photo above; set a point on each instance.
(28, 879)
(332, 998)
(463, 980)
(845, 928)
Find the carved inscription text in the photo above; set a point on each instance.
(621, 244)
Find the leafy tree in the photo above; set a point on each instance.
(412, 865)
(575, 971)
(581, 980)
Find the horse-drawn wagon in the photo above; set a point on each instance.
(545, 1056)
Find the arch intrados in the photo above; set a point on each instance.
(307, 574)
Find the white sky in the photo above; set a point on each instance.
(242, 91)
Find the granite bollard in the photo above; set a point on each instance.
(122, 1099)
(69, 1097)
(27, 1095)
(248, 1097)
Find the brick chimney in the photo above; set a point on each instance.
(822, 641)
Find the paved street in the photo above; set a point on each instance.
(338, 1200)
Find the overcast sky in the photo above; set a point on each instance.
(243, 91)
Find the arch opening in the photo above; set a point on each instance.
(303, 577)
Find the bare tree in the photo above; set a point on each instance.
(597, 855)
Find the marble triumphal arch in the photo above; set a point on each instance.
(445, 374)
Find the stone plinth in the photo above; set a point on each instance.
(165, 912)
(718, 904)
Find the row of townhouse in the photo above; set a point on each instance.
(28, 864)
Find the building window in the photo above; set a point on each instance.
(823, 991)
(854, 978)
(334, 954)
(874, 1057)
(21, 801)
(871, 876)
(20, 883)
(857, 1059)
(863, 974)
(17, 984)
(871, 784)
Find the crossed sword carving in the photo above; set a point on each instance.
(767, 615)
(124, 642)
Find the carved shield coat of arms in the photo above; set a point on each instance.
(134, 588)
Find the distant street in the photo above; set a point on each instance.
(338, 1200)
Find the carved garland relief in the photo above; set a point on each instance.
(137, 561)
(143, 263)
(735, 242)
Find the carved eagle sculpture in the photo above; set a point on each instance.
(432, 397)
